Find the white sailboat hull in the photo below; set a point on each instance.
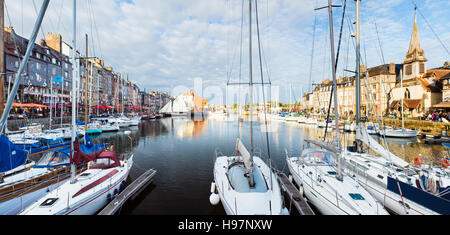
(88, 202)
(248, 203)
(323, 195)
(18, 204)
(400, 133)
(110, 128)
(377, 187)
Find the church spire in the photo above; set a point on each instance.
(415, 52)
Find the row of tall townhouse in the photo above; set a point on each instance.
(375, 83)
(383, 88)
(51, 58)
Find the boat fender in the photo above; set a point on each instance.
(108, 198)
(302, 191)
(417, 161)
(290, 178)
(213, 187)
(214, 199)
(445, 163)
(123, 185)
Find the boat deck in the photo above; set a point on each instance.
(237, 175)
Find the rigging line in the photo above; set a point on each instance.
(240, 71)
(263, 93)
(59, 17)
(429, 25)
(325, 55)
(228, 45)
(14, 36)
(379, 43)
(369, 96)
(340, 34)
(345, 68)
(92, 42)
(384, 62)
(349, 24)
(96, 30)
(264, 54)
(42, 25)
(240, 58)
(312, 53)
(233, 59)
(336, 66)
(21, 9)
(230, 70)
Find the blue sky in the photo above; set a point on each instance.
(163, 44)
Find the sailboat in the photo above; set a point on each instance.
(319, 174)
(400, 132)
(400, 187)
(88, 192)
(19, 190)
(244, 183)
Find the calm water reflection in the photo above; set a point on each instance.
(182, 151)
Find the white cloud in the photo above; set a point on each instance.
(165, 43)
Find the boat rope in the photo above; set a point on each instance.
(263, 92)
(240, 68)
(312, 50)
(431, 28)
(336, 65)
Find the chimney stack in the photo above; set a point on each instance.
(392, 68)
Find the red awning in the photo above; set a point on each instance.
(17, 105)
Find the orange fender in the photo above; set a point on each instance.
(417, 161)
(445, 163)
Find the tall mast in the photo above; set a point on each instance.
(359, 144)
(51, 102)
(122, 94)
(402, 94)
(251, 87)
(23, 65)
(336, 108)
(2, 54)
(86, 109)
(358, 66)
(98, 94)
(74, 91)
(62, 84)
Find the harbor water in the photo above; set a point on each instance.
(182, 150)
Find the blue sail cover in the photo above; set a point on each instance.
(11, 156)
(89, 147)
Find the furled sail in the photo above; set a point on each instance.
(361, 134)
(245, 155)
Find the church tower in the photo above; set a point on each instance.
(415, 62)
